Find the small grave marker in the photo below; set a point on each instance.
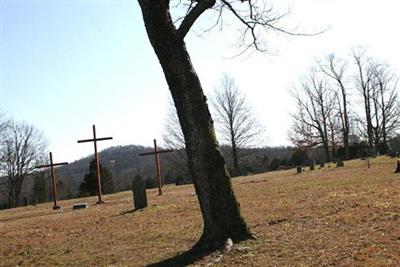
(397, 170)
(312, 165)
(139, 193)
(322, 164)
(339, 163)
(78, 206)
(298, 169)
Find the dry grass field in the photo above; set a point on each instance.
(346, 216)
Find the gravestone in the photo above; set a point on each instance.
(311, 165)
(78, 206)
(339, 163)
(299, 169)
(397, 170)
(322, 165)
(139, 193)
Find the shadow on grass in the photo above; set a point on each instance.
(130, 211)
(182, 259)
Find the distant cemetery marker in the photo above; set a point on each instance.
(312, 165)
(298, 169)
(158, 168)
(96, 156)
(53, 178)
(78, 206)
(397, 170)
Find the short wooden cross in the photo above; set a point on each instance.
(96, 156)
(158, 167)
(53, 178)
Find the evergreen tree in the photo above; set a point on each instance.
(39, 189)
(89, 184)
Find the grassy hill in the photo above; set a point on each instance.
(333, 216)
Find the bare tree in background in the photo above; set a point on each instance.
(22, 148)
(377, 85)
(235, 120)
(313, 123)
(363, 81)
(173, 139)
(4, 123)
(386, 104)
(335, 69)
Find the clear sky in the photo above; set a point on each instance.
(66, 65)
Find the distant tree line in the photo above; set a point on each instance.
(347, 108)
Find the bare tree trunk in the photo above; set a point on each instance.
(235, 156)
(364, 79)
(326, 150)
(220, 209)
(346, 126)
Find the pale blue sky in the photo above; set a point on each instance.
(69, 64)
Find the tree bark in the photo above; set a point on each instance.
(234, 154)
(219, 207)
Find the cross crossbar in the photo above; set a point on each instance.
(92, 140)
(49, 165)
(158, 152)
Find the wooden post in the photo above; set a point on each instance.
(158, 167)
(96, 156)
(53, 178)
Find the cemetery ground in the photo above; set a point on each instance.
(346, 216)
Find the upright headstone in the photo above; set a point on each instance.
(299, 169)
(397, 170)
(312, 165)
(139, 193)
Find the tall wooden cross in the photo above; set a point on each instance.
(96, 156)
(53, 178)
(157, 158)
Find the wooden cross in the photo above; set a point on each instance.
(96, 156)
(158, 168)
(53, 178)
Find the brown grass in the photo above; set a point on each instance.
(334, 216)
